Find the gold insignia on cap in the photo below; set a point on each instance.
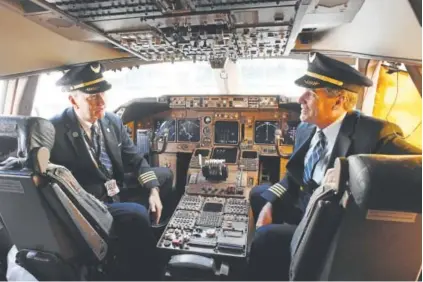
(88, 83)
(96, 69)
(311, 82)
(325, 78)
(91, 88)
(311, 57)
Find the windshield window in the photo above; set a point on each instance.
(249, 77)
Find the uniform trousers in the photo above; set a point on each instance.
(135, 245)
(270, 256)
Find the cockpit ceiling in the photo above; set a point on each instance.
(51, 33)
(386, 29)
(27, 47)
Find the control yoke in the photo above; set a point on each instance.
(160, 138)
(214, 169)
(278, 134)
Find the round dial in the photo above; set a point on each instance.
(207, 120)
(206, 141)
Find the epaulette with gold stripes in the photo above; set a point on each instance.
(277, 189)
(147, 177)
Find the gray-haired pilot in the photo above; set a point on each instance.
(95, 146)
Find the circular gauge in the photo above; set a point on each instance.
(206, 142)
(206, 131)
(207, 120)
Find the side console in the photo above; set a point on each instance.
(208, 225)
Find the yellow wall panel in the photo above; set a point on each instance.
(398, 101)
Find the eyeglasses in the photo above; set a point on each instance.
(94, 97)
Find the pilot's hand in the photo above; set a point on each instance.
(156, 206)
(265, 216)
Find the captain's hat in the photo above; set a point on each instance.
(87, 78)
(325, 72)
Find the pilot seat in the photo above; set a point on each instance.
(60, 231)
(364, 225)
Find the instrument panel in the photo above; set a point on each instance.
(248, 122)
(224, 102)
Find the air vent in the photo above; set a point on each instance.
(31, 8)
(332, 3)
(308, 29)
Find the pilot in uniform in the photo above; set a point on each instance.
(94, 145)
(330, 128)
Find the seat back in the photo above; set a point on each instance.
(61, 232)
(5, 245)
(367, 226)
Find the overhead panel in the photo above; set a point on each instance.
(169, 30)
(194, 30)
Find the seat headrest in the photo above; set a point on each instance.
(19, 135)
(386, 182)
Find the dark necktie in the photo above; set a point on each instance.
(100, 149)
(318, 152)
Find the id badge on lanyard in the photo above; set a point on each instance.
(112, 188)
(111, 185)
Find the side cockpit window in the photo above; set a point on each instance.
(398, 101)
(49, 99)
(2, 95)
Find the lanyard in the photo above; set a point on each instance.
(96, 154)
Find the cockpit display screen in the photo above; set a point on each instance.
(289, 131)
(188, 130)
(212, 207)
(170, 125)
(202, 152)
(227, 154)
(249, 154)
(226, 132)
(265, 132)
